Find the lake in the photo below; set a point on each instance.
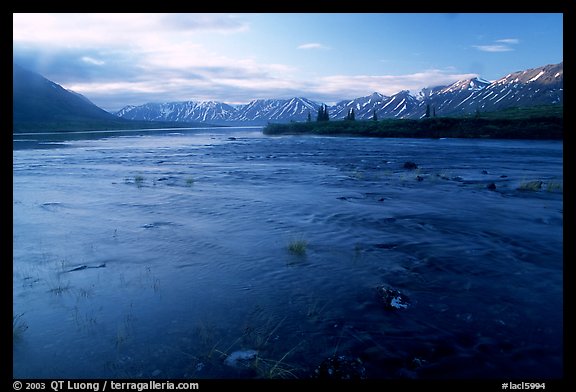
(226, 254)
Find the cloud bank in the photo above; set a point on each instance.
(131, 59)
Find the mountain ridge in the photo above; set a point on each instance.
(536, 86)
(36, 98)
(39, 102)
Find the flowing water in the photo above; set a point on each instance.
(228, 254)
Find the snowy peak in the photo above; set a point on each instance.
(125, 110)
(537, 86)
(363, 107)
(400, 105)
(473, 84)
(549, 75)
(257, 111)
(278, 110)
(188, 111)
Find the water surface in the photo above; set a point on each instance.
(166, 255)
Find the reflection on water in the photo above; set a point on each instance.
(226, 254)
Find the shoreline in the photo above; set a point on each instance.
(540, 128)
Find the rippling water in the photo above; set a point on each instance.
(167, 255)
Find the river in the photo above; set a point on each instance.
(226, 254)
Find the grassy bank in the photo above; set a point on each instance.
(514, 124)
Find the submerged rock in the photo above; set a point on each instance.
(410, 165)
(341, 367)
(491, 186)
(241, 359)
(387, 245)
(391, 298)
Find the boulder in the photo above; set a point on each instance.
(391, 298)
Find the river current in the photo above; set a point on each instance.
(224, 253)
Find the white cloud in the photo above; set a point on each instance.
(122, 30)
(512, 41)
(139, 58)
(342, 86)
(500, 45)
(91, 60)
(228, 88)
(493, 48)
(312, 45)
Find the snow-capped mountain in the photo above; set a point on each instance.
(542, 85)
(363, 107)
(188, 111)
(256, 112)
(276, 110)
(537, 86)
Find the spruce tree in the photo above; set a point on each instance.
(427, 110)
(374, 115)
(320, 116)
(309, 118)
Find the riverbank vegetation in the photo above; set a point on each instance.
(516, 123)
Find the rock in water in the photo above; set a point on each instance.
(241, 359)
(410, 165)
(392, 298)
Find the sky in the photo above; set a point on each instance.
(124, 59)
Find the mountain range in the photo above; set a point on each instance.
(40, 104)
(536, 86)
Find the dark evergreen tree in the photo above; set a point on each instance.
(326, 115)
(309, 118)
(320, 116)
(433, 111)
(374, 115)
(427, 110)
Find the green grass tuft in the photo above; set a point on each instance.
(298, 247)
(554, 186)
(532, 186)
(138, 180)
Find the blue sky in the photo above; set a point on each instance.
(131, 59)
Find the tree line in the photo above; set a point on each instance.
(323, 115)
